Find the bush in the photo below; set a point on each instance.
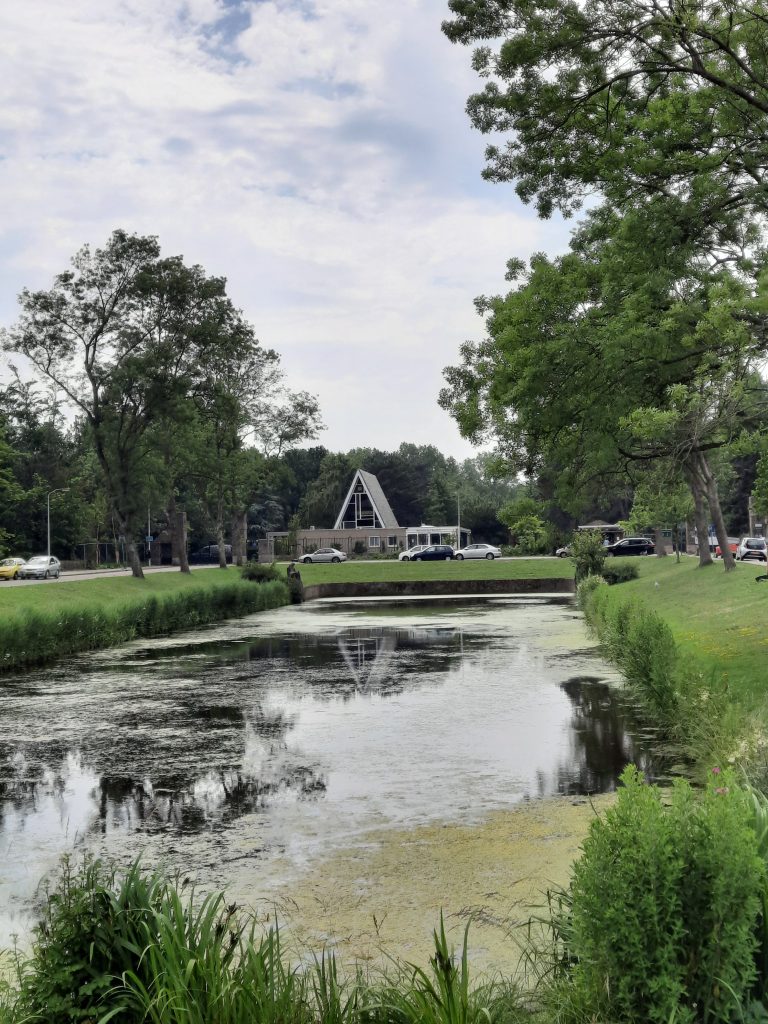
(664, 905)
(258, 573)
(588, 553)
(585, 591)
(619, 572)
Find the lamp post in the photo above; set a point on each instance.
(56, 490)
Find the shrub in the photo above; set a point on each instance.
(588, 553)
(585, 591)
(258, 573)
(664, 904)
(619, 572)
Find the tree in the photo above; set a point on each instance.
(628, 97)
(625, 350)
(661, 501)
(125, 335)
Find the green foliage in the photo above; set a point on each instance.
(258, 573)
(665, 903)
(642, 645)
(585, 590)
(619, 572)
(138, 949)
(588, 553)
(37, 636)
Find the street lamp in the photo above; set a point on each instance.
(56, 490)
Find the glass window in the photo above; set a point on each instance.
(374, 542)
(391, 542)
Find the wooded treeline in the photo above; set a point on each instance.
(145, 402)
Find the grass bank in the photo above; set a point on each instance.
(697, 642)
(40, 623)
(470, 569)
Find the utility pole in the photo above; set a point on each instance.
(458, 521)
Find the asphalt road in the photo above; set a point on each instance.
(92, 574)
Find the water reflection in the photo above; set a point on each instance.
(293, 730)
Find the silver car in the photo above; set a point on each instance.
(41, 567)
(478, 551)
(324, 555)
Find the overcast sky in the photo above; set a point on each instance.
(315, 152)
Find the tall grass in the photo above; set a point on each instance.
(34, 637)
(143, 949)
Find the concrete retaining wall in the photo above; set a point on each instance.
(420, 588)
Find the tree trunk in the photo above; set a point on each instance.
(240, 537)
(177, 526)
(699, 515)
(716, 512)
(133, 557)
(220, 542)
(658, 543)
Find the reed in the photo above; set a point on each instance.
(36, 636)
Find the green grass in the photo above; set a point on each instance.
(111, 591)
(719, 619)
(43, 622)
(471, 569)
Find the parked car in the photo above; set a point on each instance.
(40, 568)
(630, 546)
(324, 555)
(478, 551)
(9, 568)
(406, 556)
(209, 555)
(564, 552)
(752, 548)
(435, 553)
(733, 546)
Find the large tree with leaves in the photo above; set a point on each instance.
(124, 335)
(626, 97)
(628, 349)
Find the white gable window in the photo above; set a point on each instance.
(374, 542)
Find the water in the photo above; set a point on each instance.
(242, 752)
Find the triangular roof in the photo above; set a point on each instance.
(376, 496)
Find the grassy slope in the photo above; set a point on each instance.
(471, 569)
(719, 618)
(108, 592)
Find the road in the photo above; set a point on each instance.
(90, 574)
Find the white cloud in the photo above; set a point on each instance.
(317, 153)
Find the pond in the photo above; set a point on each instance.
(244, 753)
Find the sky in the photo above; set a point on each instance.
(316, 153)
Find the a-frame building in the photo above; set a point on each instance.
(365, 506)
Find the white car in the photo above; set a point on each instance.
(478, 551)
(752, 547)
(41, 567)
(324, 555)
(406, 556)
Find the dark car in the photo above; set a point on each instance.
(434, 553)
(209, 555)
(630, 546)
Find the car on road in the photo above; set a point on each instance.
(406, 556)
(564, 552)
(324, 555)
(41, 567)
(9, 568)
(630, 546)
(209, 555)
(478, 551)
(752, 548)
(435, 553)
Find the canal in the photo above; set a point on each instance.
(260, 755)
